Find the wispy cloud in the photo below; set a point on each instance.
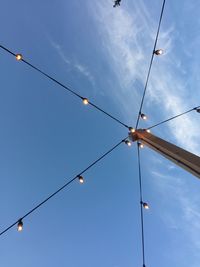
(60, 52)
(83, 70)
(122, 38)
(128, 36)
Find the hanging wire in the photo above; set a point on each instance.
(150, 65)
(61, 188)
(64, 86)
(141, 205)
(174, 117)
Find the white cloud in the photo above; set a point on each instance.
(128, 36)
(83, 70)
(76, 65)
(122, 40)
(60, 52)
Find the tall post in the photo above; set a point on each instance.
(179, 156)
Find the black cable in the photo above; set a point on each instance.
(64, 86)
(108, 115)
(141, 206)
(150, 65)
(174, 117)
(61, 188)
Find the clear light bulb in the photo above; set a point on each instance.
(158, 52)
(85, 101)
(145, 205)
(143, 116)
(131, 129)
(128, 143)
(18, 57)
(20, 226)
(81, 179)
(140, 145)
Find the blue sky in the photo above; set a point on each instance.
(47, 135)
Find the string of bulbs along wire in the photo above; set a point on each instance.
(156, 52)
(81, 179)
(79, 176)
(126, 141)
(85, 100)
(143, 116)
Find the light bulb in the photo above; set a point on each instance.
(145, 205)
(198, 110)
(20, 225)
(148, 130)
(131, 129)
(81, 179)
(85, 101)
(18, 57)
(127, 142)
(143, 116)
(140, 145)
(158, 52)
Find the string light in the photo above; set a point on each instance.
(150, 65)
(85, 101)
(145, 205)
(198, 110)
(140, 145)
(127, 142)
(131, 129)
(143, 116)
(158, 52)
(20, 225)
(81, 179)
(148, 130)
(18, 57)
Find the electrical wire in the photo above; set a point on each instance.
(141, 205)
(150, 65)
(136, 126)
(174, 117)
(113, 148)
(65, 87)
(61, 188)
